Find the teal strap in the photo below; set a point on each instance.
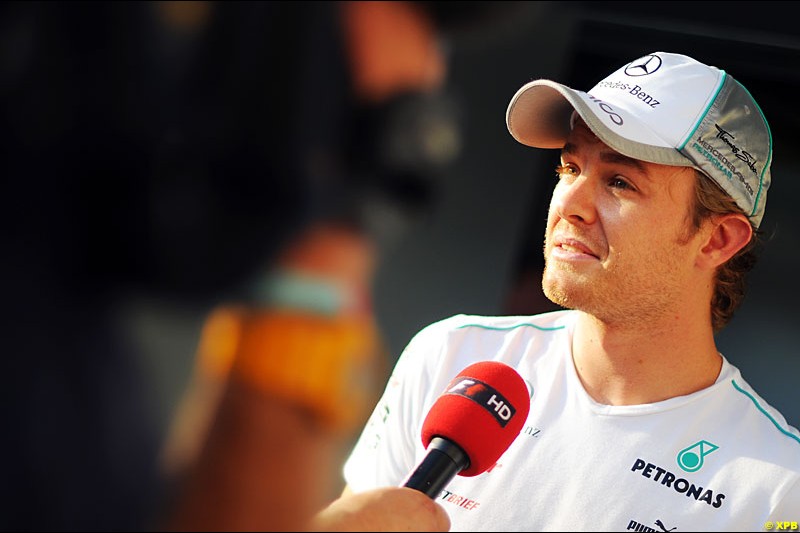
(299, 291)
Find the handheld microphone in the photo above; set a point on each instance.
(471, 425)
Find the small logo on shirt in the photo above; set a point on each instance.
(660, 524)
(691, 459)
(633, 525)
(459, 501)
(680, 485)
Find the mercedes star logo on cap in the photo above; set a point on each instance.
(644, 66)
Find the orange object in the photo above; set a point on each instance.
(393, 48)
(329, 366)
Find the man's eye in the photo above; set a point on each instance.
(564, 171)
(619, 183)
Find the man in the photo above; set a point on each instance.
(636, 421)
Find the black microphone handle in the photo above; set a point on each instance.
(444, 460)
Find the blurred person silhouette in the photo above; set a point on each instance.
(177, 150)
(242, 455)
(244, 157)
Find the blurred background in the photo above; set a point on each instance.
(156, 154)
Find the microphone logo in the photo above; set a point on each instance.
(484, 395)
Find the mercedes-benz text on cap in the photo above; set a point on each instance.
(664, 108)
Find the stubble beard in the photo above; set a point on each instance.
(608, 295)
(566, 287)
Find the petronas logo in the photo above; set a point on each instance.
(691, 459)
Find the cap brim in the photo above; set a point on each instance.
(539, 116)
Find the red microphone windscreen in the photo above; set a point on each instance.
(482, 410)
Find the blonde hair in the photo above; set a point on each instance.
(730, 283)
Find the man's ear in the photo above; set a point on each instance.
(729, 234)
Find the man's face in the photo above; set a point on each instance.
(618, 244)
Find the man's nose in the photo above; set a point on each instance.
(575, 200)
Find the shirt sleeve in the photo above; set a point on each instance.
(390, 445)
(788, 508)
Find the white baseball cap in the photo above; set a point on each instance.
(663, 108)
